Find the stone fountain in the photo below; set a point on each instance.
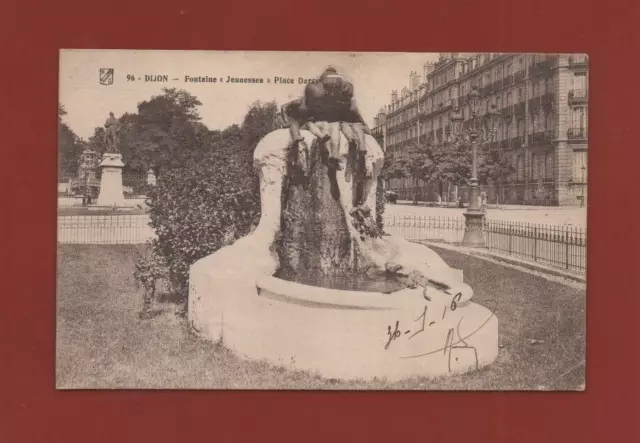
(315, 287)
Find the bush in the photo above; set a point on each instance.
(210, 197)
(148, 270)
(199, 208)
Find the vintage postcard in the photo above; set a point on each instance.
(318, 220)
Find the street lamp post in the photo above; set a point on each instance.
(584, 168)
(477, 132)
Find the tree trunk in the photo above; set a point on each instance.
(315, 242)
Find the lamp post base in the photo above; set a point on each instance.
(473, 228)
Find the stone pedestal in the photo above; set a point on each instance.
(111, 193)
(474, 220)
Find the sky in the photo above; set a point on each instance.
(88, 103)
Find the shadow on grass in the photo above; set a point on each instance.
(102, 344)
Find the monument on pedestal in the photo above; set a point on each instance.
(111, 192)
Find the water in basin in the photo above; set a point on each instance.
(373, 282)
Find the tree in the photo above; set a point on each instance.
(259, 121)
(69, 148)
(165, 133)
(452, 163)
(415, 162)
(495, 165)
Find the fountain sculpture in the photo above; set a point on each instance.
(316, 287)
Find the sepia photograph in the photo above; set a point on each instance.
(321, 220)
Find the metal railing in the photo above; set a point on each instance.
(104, 229)
(578, 96)
(577, 133)
(560, 246)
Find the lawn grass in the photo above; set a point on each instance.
(101, 342)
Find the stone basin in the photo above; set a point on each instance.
(349, 334)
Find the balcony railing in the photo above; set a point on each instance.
(578, 61)
(540, 67)
(541, 137)
(517, 141)
(577, 133)
(578, 96)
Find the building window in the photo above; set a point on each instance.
(509, 68)
(580, 161)
(548, 121)
(508, 98)
(548, 167)
(520, 168)
(580, 81)
(579, 119)
(541, 166)
(534, 167)
(549, 85)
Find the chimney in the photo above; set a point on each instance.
(414, 80)
(428, 69)
(394, 96)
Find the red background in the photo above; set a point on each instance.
(32, 411)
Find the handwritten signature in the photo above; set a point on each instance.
(451, 345)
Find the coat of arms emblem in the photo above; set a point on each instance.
(106, 76)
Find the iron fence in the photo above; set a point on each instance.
(561, 246)
(104, 229)
(421, 228)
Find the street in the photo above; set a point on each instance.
(573, 216)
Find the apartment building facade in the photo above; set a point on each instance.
(543, 102)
